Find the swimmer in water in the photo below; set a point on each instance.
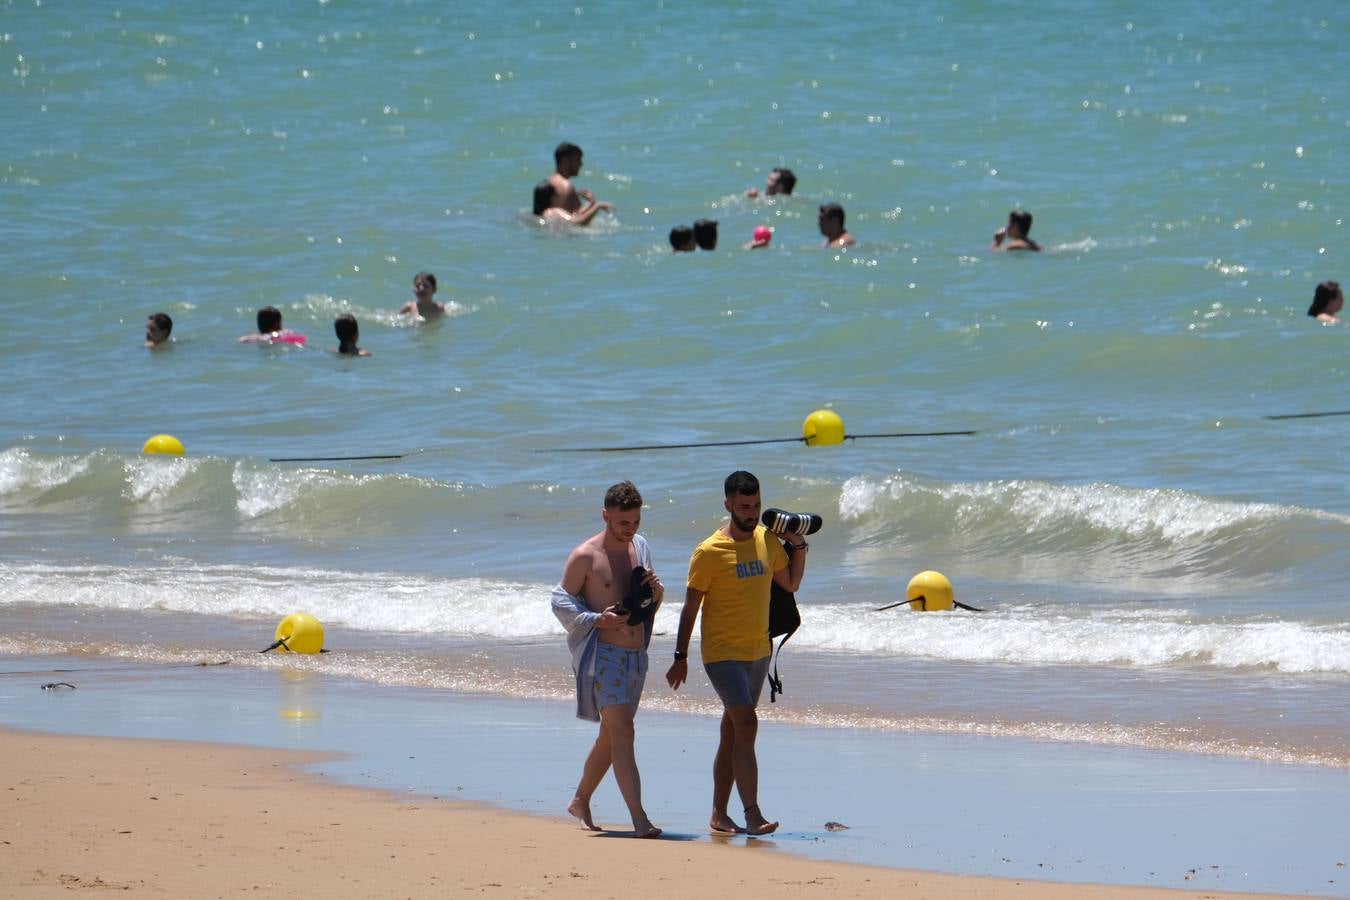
(831, 222)
(423, 306)
(556, 198)
(705, 234)
(270, 330)
(779, 181)
(1013, 236)
(1327, 302)
(157, 329)
(682, 239)
(347, 334)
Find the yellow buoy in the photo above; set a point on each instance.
(164, 444)
(929, 591)
(823, 428)
(300, 633)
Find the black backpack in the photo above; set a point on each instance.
(784, 619)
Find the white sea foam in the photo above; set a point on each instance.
(1171, 515)
(478, 607)
(367, 602)
(152, 478)
(1027, 635)
(21, 470)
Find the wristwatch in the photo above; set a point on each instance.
(680, 656)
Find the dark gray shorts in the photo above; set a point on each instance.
(738, 682)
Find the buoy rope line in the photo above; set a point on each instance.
(796, 440)
(923, 604)
(196, 665)
(1311, 415)
(372, 457)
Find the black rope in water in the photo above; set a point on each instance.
(796, 440)
(636, 447)
(671, 446)
(1312, 415)
(336, 458)
(923, 604)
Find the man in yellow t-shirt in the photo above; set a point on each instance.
(730, 575)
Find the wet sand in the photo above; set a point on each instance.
(159, 818)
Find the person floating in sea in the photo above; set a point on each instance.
(157, 330)
(705, 234)
(1327, 302)
(270, 330)
(348, 333)
(609, 655)
(682, 239)
(422, 305)
(1013, 236)
(779, 181)
(556, 198)
(831, 223)
(730, 575)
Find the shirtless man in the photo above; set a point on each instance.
(422, 305)
(557, 198)
(831, 223)
(609, 656)
(1013, 236)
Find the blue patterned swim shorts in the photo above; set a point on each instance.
(619, 675)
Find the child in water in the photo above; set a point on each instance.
(1327, 301)
(347, 334)
(270, 330)
(425, 308)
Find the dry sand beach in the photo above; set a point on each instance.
(165, 819)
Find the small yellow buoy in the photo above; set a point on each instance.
(300, 633)
(164, 444)
(929, 591)
(823, 428)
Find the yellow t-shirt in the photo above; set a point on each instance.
(734, 577)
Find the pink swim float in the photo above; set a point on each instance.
(762, 235)
(289, 337)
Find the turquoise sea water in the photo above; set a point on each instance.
(1161, 565)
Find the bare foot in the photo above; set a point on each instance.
(647, 830)
(755, 823)
(721, 823)
(582, 811)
